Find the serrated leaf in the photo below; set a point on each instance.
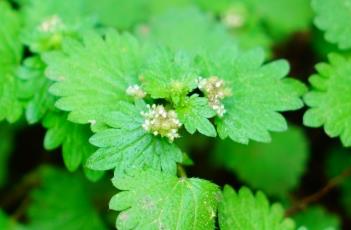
(194, 115)
(330, 97)
(242, 210)
(89, 87)
(272, 167)
(47, 22)
(10, 57)
(62, 201)
(6, 145)
(35, 89)
(72, 137)
(127, 145)
(317, 218)
(259, 92)
(164, 202)
(169, 75)
(333, 16)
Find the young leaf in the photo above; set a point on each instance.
(168, 75)
(35, 89)
(127, 145)
(258, 92)
(6, 145)
(154, 200)
(92, 76)
(330, 97)
(272, 167)
(62, 202)
(47, 22)
(243, 210)
(317, 218)
(194, 115)
(10, 57)
(72, 137)
(333, 16)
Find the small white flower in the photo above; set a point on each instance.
(234, 18)
(215, 91)
(135, 91)
(159, 121)
(51, 24)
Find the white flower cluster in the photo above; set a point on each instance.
(233, 20)
(215, 91)
(51, 24)
(136, 91)
(159, 121)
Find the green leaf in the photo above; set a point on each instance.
(91, 77)
(194, 115)
(72, 137)
(317, 218)
(35, 89)
(248, 28)
(330, 97)
(10, 57)
(272, 167)
(283, 18)
(47, 22)
(127, 145)
(187, 29)
(242, 210)
(259, 92)
(6, 145)
(333, 16)
(168, 75)
(62, 201)
(7, 223)
(119, 13)
(153, 200)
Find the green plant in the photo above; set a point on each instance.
(157, 93)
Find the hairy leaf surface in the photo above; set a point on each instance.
(164, 202)
(10, 57)
(243, 210)
(259, 92)
(329, 99)
(92, 76)
(127, 145)
(333, 16)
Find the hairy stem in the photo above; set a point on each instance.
(332, 183)
(18, 191)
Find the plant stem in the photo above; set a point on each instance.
(181, 171)
(332, 183)
(18, 191)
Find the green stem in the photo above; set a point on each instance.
(181, 171)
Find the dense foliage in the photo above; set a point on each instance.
(201, 112)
